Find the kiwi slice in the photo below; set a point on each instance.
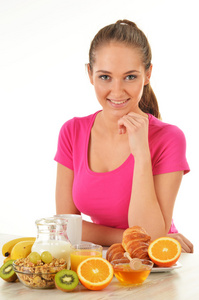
(66, 280)
(6, 271)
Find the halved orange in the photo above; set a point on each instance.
(164, 251)
(95, 273)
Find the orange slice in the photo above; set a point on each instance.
(95, 273)
(164, 251)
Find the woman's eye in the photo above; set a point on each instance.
(130, 77)
(104, 77)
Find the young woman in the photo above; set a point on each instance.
(122, 165)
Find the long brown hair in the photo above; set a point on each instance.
(127, 32)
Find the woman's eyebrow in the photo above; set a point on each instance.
(103, 71)
(132, 71)
(128, 72)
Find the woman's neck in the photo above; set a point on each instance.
(108, 123)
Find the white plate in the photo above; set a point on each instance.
(168, 269)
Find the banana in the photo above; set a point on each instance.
(21, 249)
(7, 247)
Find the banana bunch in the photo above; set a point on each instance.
(18, 248)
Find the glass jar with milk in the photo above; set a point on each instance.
(52, 237)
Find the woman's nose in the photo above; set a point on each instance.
(117, 89)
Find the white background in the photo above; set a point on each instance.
(44, 46)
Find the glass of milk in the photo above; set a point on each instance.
(52, 237)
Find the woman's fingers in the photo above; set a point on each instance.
(131, 122)
(187, 246)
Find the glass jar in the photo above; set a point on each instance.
(52, 237)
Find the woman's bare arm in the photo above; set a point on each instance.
(64, 184)
(153, 197)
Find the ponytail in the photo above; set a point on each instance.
(148, 102)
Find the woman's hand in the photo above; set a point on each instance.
(187, 246)
(137, 128)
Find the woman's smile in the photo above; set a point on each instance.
(118, 103)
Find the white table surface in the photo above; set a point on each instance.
(179, 284)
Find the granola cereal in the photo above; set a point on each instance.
(38, 275)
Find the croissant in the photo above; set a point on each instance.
(136, 242)
(116, 251)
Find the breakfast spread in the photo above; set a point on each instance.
(50, 260)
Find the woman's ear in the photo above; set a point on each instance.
(148, 75)
(90, 73)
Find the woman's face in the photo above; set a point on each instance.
(119, 77)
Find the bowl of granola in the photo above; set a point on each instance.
(38, 275)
